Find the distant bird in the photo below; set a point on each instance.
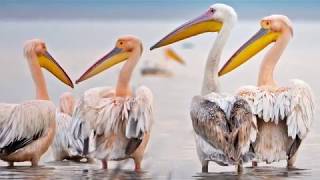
(160, 67)
(120, 118)
(284, 113)
(28, 129)
(224, 125)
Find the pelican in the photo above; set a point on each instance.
(284, 113)
(161, 67)
(220, 122)
(62, 143)
(120, 118)
(28, 129)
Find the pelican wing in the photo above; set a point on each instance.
(85, 116)
(210, 121)
(294, 103)
(141, 113)
(243, 125)
(5, 112)
(26, 123)
(63, 139)
(140, 118)
(108, 115)
(131, 117)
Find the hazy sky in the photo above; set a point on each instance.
(151, 9)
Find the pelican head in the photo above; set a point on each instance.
(211, 21)
(66, 103)
(123, 50)
(272, 27)
(36, 52)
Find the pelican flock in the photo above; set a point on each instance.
(284, 113)
(120, 117)
(263, 123)
(27, 129)
(224, 125)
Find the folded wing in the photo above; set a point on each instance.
(24, 124)
(294, 103)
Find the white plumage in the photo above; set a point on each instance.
(290, 109)
(62, 141)
(23, 125)
(114, 120)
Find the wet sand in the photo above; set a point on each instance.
(171, 153)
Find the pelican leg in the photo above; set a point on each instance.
(34, 161)
(137, 163)
(205, 166)
(240, 167)
(11, 164)
(254, 164)
(104, 164)
(291, 161)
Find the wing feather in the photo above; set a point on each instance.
(86, 113)
(294, 103)
(210, 122)
(243, 128)
(141, 113)
(26, 123)
(111, 115)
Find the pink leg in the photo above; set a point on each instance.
(104, 164)
(254, 164)
(137, 165)
(34, 161)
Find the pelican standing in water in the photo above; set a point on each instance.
(28, 129)
(284, 113)
(224, 126)
(62, 146)
(120, 118)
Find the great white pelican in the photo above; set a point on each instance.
(119, 117)
(284, 113)
(27, 129)
(224, 125)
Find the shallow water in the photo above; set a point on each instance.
(171, 153)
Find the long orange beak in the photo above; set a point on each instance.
(49, 63)
(114, 57)
(199, 25)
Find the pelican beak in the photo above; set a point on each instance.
(202, 24)
(258, 42)
(49, 63)
(174, 56)
(114, 57)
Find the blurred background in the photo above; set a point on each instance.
(78, 32)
